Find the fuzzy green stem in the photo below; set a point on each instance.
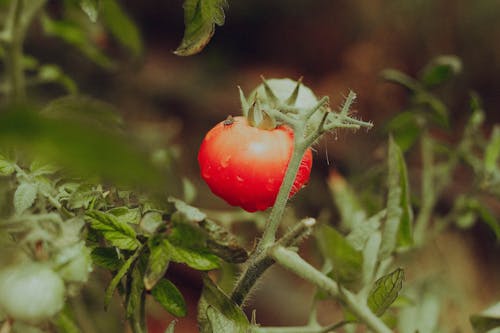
(259, 264)
(293, 262)
(301, 329)
(269, 235)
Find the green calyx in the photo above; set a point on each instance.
(275, 95)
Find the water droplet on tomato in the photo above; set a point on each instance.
(270, 185)
(239, 179)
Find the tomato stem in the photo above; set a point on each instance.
(293, 262)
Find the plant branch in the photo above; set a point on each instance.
(301, 329)
(293, 262)
(18, 21)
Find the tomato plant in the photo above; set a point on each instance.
(245, 165)
(87, 212)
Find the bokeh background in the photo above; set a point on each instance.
(336, 46)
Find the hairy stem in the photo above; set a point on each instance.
(276, 215)
(293, 262)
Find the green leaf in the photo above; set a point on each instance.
(405, 129)
(158, 261)
(171, 327)
(40, 168)
(362, 231)
(119, 234)
(440, 70)
(346, 201)
(194, 258)
(200, 18)
(83, 196)
(84, 110)
(110, 290)
(84, 149)
(170, 298)
(53, 73)
(213, 297)
(487, 320)
(6, 166)
(185, 234)
(91, 8)
(150, 222)
(385, 291)
(398, 225)
(106, 257)
(24, 197)
(190, 213)
(126, 215)
(135, 289)
(73, 34)
(121, 26)
(346, 261)
(491, 153)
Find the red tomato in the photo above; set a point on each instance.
(245, 165)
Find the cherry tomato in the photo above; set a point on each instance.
(245, 165)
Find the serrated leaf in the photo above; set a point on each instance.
(119, 234)
(398, 225)
(106, 257)
(170, 298)
(200, 18)
(83, 196)
(126, 215)
(213, 297)
(346, 262)
(220, 323)
(91, 8)
(24, 197)
(362, 231)
(121, 26)
(6, 166)
(158, 261)
(195, 258)
(487, 320)
(441, 69)
(185, 234)
(385, 291)
(40, 168)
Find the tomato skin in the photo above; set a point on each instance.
(245, 165)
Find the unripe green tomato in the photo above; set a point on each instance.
(76, 263)
(31, 292)
(283, 88)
